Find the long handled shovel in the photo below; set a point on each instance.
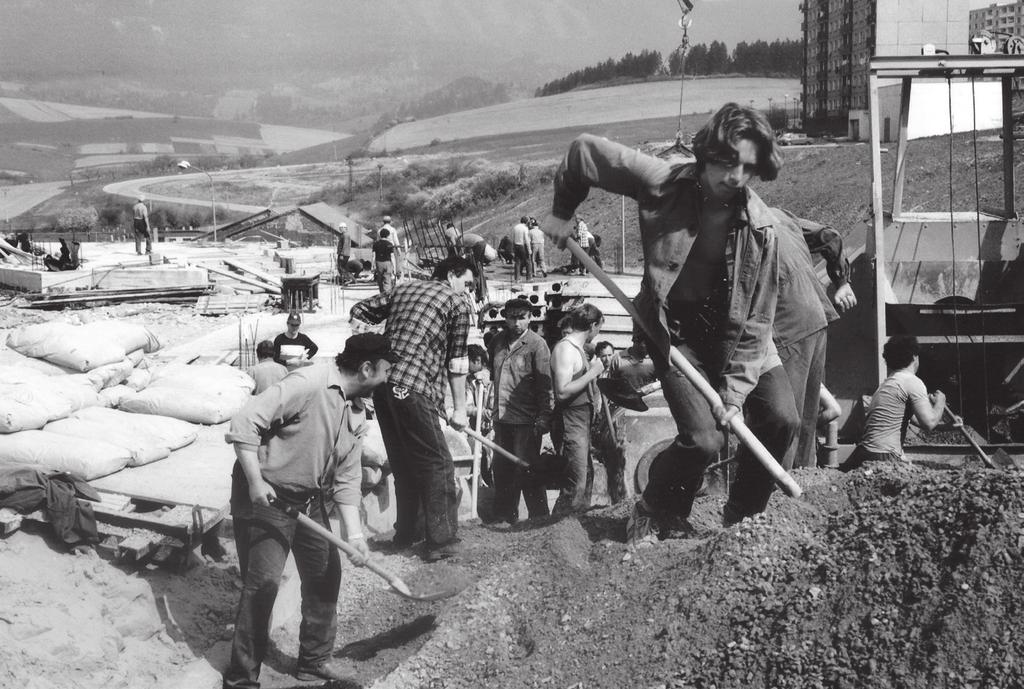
(496, 447)
(397, 585)
(1001, 455)
(736, 423)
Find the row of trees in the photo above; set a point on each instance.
(647, 63)
(778, 58)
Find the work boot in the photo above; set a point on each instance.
(641, 525)
(442, 552)
(675, 526)
(330, 669)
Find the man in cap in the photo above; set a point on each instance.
(297, 444)
(344, 254)
(427, 323)
(140, 225)
(292, 336)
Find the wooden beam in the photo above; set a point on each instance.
(1008, 200)
(258, 274)
(901, 150)
(243, 279)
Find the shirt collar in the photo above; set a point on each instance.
(334, 380)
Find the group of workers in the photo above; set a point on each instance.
(728, 284)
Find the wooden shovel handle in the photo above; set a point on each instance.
(736, 423)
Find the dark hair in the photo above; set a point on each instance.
(478, 352)
(717, 139)
(523, 219)
(452, 264)
(899, 351)
(584, 316)
(603, 344)
(265, 350)
(384, 232)
(517, 306)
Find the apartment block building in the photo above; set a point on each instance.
(841, 37)
(1006, 18)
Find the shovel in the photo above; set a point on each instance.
(736, 423)
(397, 585)
(496, 447)
(1002, 458)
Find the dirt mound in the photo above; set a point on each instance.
(894, 577)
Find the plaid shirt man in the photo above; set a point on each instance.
(427, 324)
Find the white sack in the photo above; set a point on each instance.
(209, 394)
(174, 433)
(52, 451)
(81, 348)
(25, 406)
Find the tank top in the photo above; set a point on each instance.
(584, 396)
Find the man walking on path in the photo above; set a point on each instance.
(522, 409)
(384, 269)
(295, 444)
(710, 289)
(573, 373)
(140, 226)
(428, 326)
(344, 254)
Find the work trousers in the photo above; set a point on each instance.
(572, 436)
(677, 472)
(537, 256)
(522, 440)
(384, 271)
(421, 463)
(264, 536)
(804, 362)
(142, 232)
(344, 276)
(521, 264)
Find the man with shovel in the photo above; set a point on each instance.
(296, 447)
(709, 290)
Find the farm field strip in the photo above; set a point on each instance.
(46, 111)
(587, 107)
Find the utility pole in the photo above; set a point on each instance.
(380, 179)
(349, 161)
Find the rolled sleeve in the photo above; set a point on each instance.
(458, 337)
(348, 477)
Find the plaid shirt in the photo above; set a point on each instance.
(428, 327)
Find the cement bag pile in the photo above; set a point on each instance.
(147, 438)
(32, 403)
(86, 459)
(11, 359)
(206, 394)
(82, 347)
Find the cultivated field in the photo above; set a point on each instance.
(46, 111)
(586, 107)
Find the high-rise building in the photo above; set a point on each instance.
(841, 37)
(1006, 19)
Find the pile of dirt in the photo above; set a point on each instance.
(892, 577)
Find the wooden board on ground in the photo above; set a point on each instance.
(258, 274)
(219, 304)
(243, 279)
(197, 474)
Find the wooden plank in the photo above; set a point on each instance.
(243, 279)
(259, 274)
(218, 304)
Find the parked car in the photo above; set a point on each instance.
(794, 139)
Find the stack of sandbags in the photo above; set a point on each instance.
(206, 394)
(147, 438)
(82, 347)
(53, 451)
(35, 399)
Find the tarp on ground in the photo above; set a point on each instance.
(206, 394)
(87, 459)
(82, 347)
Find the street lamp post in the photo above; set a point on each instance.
(185, 165)
(785, 102)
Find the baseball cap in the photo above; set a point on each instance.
(368, 347)
(294, 319)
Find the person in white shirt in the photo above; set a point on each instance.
(521, 263)
(537, 248)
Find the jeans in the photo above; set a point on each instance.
(678, 471)
(537, 251)
(523, 441)
(384, 273)
(421, 463)
(264, 536)
(804, 362)
(572, 428)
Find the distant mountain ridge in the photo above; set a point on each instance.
(349, 50)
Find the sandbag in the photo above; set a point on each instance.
(141, 449)
(174, 433)
(207, 394)
(110, 375)
(25, 406)
(84, 347)
(89, 459)
(139, 379)
(112, 396)
(9, 357)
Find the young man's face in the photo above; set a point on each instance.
(517, 324)
(605, 354)
(373, 374)
(476, 364)
(725, 179)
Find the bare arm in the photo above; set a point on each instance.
(563, 360)
(928, 412)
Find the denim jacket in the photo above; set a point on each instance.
(521, 391)
(668, 201)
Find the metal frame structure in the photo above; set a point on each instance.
(934, 67)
